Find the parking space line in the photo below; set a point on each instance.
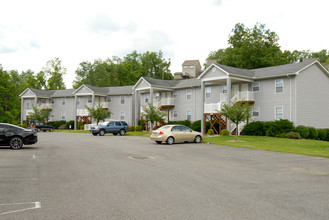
(37, 205)
(19, 179)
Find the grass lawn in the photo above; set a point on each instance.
(303, 147)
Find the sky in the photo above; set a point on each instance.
(36, 31)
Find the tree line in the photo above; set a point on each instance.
(249, 48)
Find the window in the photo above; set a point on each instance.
(78, 100)
(52, 101)
(52, 115)
(122, 116)
(28, 104)
(191, 67)
(146, 98)
(279, 86)
(122, 100)
(89, 99)
(189, 94)
(63, 115)
(157, 95)
(175, 114)
(255, 86)
(111, 123)
(208, 92)
(63, 101)
(278, 113)
(189, 114)
(224, 89)
(185, 67)
(117, 123)
(109, 99)
(175, 94)
(255, 111)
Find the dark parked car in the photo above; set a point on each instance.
(114, 127)
(40, 126)
(16, 137)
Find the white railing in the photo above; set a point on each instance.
(212, 107)
(82, 112)
(45, 105)
(241, 126)
(244, 96)
(104, 104)
(27, 112)
(164, 101)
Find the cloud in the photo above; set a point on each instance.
(8, 49)
(104, 25)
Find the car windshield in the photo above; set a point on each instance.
(163, 128)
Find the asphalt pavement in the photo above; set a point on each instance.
(81, 176)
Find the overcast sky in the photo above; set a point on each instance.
(35, 31)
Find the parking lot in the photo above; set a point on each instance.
(80, 176)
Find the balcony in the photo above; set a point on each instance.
(247, 96)
(82, 112)
(45, 105)
(212, 107)
(164, 102)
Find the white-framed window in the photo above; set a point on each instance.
(89, 99)
(28, 104)
(208, 92)
(185, 67)
(63, 115)
(189, 94)
(157, 95)
(255, 86)
(109, 99)
(279, 86)
(255, 111)
(52, 101)
(52, 115)
(78, 100)
(192, 67)
(175, 114)
(147, 97)
(122, 116)
(189, 114)
(224, 89)
(175, 94)
(278, 112)
(122, 100)
(63, 101)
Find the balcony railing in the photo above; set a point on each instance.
(45, 105)
(164, 101)
(212, 107)
(82, 112)
(240, 96)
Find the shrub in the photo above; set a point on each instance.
(70, 123)
(138, 128)
(322, 134)
(313, 133)
(303, 131)
(224, 132)
(56, 124)
(132, 128)
(279, 127)
(293, 135)
(255, 128)
(211, 132)
(143, 123)
(22, 125)
(62, 127)
(327, 135)
(185, 122)
(196, 126)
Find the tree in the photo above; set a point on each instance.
(99, 113)
(153, 114)
(237, 113)
(36, 114)
(55, 71)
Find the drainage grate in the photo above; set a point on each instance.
(140, 158)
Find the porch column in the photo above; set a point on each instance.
(202, 107)
(229, 92)
(22, 109)
(137, 108)
(75, 112)
(151, 102)
(35, 101)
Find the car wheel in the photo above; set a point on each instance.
(115, 134)
(170, 140)
(44, 130)
(101, 132)
(122, 132)
(159, 142)
(37, 129)
(51, 130)
(16, 143)
(95, 134)
(197, 139)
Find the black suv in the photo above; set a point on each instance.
(40, 126)
(15, 137)
(114, 127)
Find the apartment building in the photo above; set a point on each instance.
(298, 92)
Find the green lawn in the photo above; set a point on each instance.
(303, 147)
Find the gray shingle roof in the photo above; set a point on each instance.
(120, 90)
(181, 83)
(63, 93)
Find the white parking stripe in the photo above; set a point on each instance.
(37, 205)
